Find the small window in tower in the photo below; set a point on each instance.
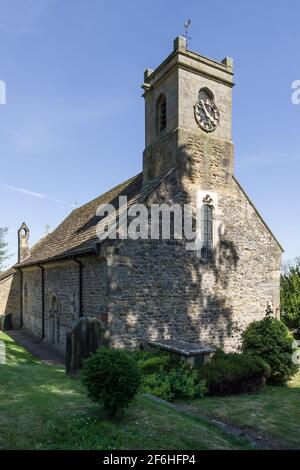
(207, 233)
(161, 113)
(204, 94)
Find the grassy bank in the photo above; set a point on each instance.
(41, 408)
(275, 412)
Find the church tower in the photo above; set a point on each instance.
(188, 116)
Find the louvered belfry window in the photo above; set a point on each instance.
(161, 113)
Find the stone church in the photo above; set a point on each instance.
(149, 289)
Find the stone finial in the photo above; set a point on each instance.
(228, 62)
(180, 44)
(208, 200)
(23, 243)
(147, 74)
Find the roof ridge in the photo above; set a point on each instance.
(74, 232)
(114, 188)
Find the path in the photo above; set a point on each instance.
(257, 441)
(42, 351)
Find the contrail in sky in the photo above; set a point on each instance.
(38, 195)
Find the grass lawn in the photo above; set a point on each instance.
(275, 412)
(41, 408)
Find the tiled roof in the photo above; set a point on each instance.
(7, 273)
(77, 233)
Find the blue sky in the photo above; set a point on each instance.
(73, 123)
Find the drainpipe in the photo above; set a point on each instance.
(43, 300)
(80, 291)
(21, 296)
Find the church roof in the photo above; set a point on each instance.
(7, 273)
(77, 233)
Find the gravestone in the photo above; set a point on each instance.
(85, 338)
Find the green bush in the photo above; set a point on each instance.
(182, 382)
(154, 363)
(112, 379)
(158, 384)
(178, 383)
(271, 340)
(228, 374)
(167, 378)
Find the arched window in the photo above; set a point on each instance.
(204, 94)
(207, 232)
(161, 113)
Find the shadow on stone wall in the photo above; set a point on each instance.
(179, 304)
(10, 300)
(177, 296)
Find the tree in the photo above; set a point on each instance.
(271, 340)
(3, 247)
(290, 295)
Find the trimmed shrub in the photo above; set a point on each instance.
(112, 379)
(271, 340)
(229, 374)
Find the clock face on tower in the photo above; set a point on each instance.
(207, 114)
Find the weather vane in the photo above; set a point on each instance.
(47, 229)
(186, 27)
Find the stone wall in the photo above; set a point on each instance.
(32, 301)
(149, 289)
(180, 78)
(159, 290)
(10, 295)
(61, 290)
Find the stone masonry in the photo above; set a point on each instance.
(157, 289)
